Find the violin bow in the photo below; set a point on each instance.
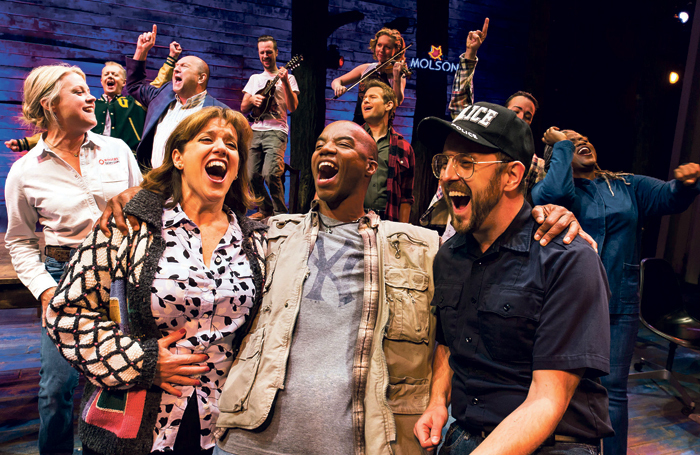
(377, 68)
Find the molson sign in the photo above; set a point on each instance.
(434, 63)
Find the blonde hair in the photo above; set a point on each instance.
(44, 83)
(395, 35)
(166, 180)
(121, 68)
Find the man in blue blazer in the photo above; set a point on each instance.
(169, 104)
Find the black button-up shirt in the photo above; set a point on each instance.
(520, 307)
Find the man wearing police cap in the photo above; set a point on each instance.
(523, 329)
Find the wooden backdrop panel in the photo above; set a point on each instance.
(224, 33)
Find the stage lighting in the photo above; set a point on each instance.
(683, 16)
(333, 58)
(673, 77)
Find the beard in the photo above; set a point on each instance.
(481, 206)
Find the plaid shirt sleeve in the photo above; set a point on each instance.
(463, 86)
(365, 335)
(536, 172)
(399, 182)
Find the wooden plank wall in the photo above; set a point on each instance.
(224, 33)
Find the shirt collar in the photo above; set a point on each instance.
(516, 237)
(104, 97)
(175, 216)
(369, 131)
(87, 143)
(192, 101)
(370, 218)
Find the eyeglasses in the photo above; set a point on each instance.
(462, 164)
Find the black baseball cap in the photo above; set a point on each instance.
(487, 124)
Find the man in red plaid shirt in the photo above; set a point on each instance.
(390, 192)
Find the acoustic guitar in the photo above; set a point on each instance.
(257, 113)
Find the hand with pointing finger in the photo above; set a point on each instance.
(145, 42)
(475, 39)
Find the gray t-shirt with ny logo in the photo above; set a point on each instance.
(313, 413)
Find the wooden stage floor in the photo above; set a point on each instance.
(657, 426)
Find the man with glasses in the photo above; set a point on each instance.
(523, 331)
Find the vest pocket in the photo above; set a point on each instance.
(409, 304)
(408, 395)
(404, 251)
(236, 390)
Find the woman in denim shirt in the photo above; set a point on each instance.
(612, 207)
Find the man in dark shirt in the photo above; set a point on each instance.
(522, 329)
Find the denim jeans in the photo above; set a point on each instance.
(56, 386)
(460, 442)
(266, 165)
(623, 335)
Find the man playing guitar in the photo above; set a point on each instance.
(270, 131)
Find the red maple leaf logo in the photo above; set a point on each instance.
(435, 52)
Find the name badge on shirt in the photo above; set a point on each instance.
(108, 161)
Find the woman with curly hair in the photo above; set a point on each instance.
(385, 44)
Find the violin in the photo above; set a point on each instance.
(386, 66)
(405, 70)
